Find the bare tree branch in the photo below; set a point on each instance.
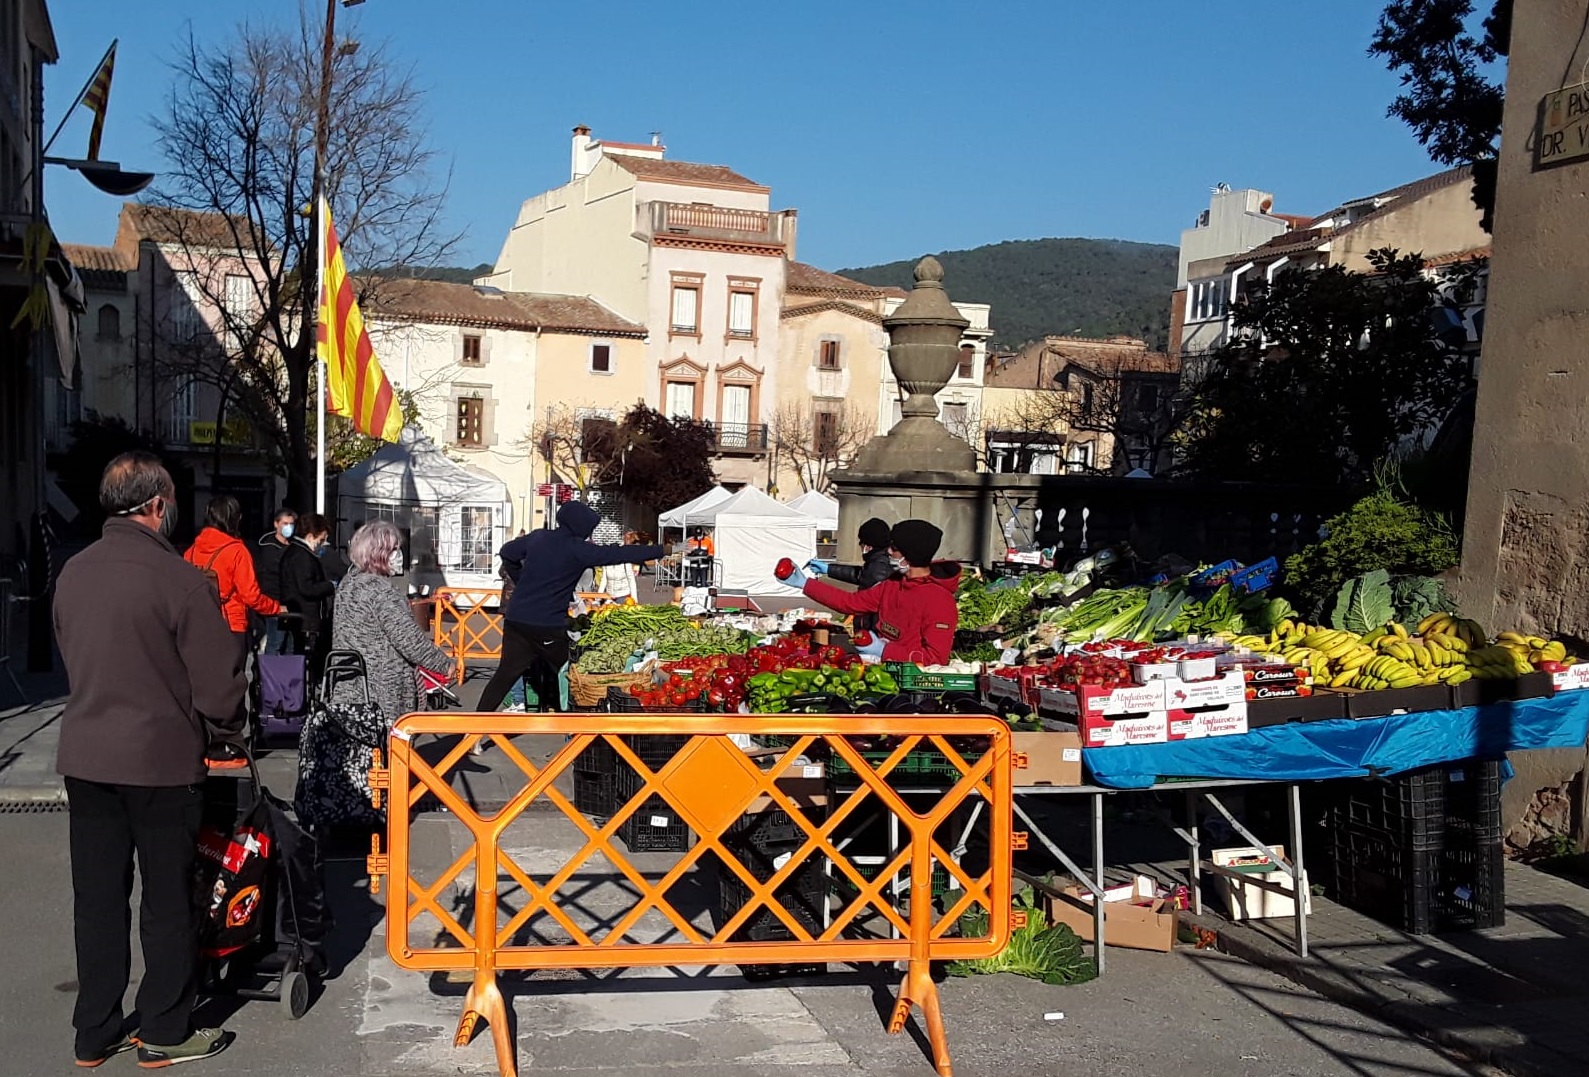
(237, 131)
(814, 441)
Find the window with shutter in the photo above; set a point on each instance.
(472, 352)
(826, 439)
(686, 308)
(601, 358)
(967, 367)
(741, 314)
(681, 400)
(109, 323)
(828, 355)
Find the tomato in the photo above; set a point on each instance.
(636, 691)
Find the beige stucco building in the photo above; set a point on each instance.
(1433, 216)
(692, 252)
(488, 368)
(1077, 405)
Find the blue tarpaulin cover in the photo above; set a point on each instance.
(1352, 748)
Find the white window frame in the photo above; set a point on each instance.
(186, 298)
(748, 330)
(239, 294)
(612, 358)
(667, 402)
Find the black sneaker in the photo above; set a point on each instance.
(204, 1043)
(99, 1058)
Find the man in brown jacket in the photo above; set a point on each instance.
(154, 675)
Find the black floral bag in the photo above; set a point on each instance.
(337, 749)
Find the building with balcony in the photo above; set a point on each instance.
(692, 252)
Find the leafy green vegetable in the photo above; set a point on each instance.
(1038, 950)
(1380, 531)
(613, 637)
(1364, 604)
(1416, 597)
(982, 652)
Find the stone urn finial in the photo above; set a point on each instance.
(924, 349)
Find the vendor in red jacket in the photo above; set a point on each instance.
(915, 608)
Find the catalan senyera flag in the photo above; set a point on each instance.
(97, 100)
(356, 386)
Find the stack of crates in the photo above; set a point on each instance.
(1422, 851)
(762, 841)
(655, 826)
(596, 781)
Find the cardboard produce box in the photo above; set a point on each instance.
(1111, 731)
(1230, 687)
(1150, 925)
(1254, 902)
(1208, 722)
(1052, 758)
(1090, 700)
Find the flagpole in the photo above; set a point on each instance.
(322, 135)
(78, 100)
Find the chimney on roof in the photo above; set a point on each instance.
(584, 153)
(656, 139)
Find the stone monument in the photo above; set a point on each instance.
(923, 351)
(919, 470)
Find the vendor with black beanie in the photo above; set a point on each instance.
(915, 611)
(875, 567)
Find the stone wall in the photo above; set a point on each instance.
(1554, 812)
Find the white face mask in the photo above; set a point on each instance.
(286, 531)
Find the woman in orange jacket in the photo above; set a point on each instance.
(219, 552)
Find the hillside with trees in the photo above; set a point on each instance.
(1037, 287)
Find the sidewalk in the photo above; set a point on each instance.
(29, 733)
(1515, 997)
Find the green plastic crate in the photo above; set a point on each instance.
(912, 678)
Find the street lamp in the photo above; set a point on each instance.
(108, 176)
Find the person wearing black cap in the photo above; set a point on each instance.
(875, 567)
(915, 615)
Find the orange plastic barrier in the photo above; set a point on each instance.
(712, 785)
(464, 625)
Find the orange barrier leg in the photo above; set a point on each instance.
(485, 1003)
(919, 990)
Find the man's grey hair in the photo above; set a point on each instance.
(372, 547)
(131, 481)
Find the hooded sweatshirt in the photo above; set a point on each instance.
(545, 566)
(917, 616)
(228, 558)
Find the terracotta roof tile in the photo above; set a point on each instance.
(803, 279)
(185, 227)
(100, 267)
(831, 304)
(1039, 365)
(464, 304)
(1480, 253)
(649, 168)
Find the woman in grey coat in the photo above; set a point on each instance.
(372, 619)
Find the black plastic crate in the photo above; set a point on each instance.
(768, 832)
(803, 895)
(1423, 892)
(596, 781)
(1421, 851)
(654, 827)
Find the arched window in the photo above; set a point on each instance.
(109, 322)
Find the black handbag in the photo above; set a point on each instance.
(337, 749)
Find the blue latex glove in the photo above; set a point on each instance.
(797, 579)
(817, 567)
(873, 649)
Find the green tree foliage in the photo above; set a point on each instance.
(450, 274)
(655, 461)
(1453, 93)
(1328, 372)
(1038, 287)
(346, 447)
(1381, 531)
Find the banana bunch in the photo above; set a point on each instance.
(1514, 654)
(1249, 642)
(1443, 624)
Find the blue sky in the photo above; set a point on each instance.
(895, 129)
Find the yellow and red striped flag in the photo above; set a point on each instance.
(97, 100)
(356, 386)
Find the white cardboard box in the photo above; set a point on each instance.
(1247, 902)
(1227, 688)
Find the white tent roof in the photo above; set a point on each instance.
(749, 502)
(415, 470)
(819, 507)
(752, 532)
(693, 508)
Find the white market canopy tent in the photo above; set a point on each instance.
(456, 517)
(752, 532)
(690, 512)
(820, 507)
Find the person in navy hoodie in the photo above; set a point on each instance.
(545, 566)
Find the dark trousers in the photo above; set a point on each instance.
(110, 824)
(537, 652)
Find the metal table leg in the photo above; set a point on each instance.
(1300, 876)
(1194, 855)
(1097, 888)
